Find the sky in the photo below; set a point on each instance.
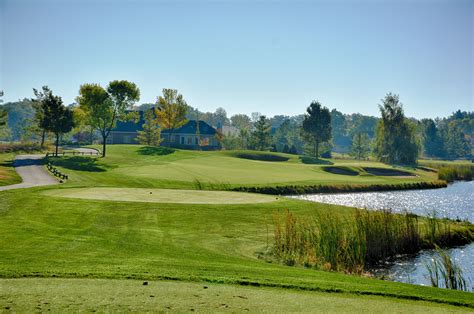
(272, 57)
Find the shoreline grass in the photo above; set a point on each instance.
(353, 244)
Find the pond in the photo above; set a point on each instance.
(455, 202)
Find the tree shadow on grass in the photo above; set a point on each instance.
(79, 163)
(314, 161)
(155, 151)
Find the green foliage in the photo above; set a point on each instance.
(171, 111)
(241, 121)
(360, 146)
(453, 173)
(151, 133)
(231, 142)
(395, 136)
(316, 126)
(353, 244)
(104, 107)
(19, 114)
(432, 141)
(260, 137)
(54, 116)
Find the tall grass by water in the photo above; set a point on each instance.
(445, 272)
(452, 171)
(354, 243)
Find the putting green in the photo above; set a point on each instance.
(162, 195)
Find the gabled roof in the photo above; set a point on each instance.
(130, 126)
(190, 128)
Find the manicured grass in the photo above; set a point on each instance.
(44, 236)
(8, 174)
(98, 295)
(134, 166)
(163, 195)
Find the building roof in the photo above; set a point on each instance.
(190, 128)
(130, 126)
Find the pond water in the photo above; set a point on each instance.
(455, 202)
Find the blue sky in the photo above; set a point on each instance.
(268, 56)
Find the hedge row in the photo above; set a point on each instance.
(308, 189)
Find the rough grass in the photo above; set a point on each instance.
(188, 242)
(8, 174)
(98, 295)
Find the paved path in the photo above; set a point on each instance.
(31, 170)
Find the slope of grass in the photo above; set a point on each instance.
(98, 295)
(8, 174)
(131, 240)
(129, 166)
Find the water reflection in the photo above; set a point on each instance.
(455, 202)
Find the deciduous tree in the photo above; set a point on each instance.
(395, 136)
(105, 107)
(171, 110)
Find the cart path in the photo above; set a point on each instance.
(31, 170)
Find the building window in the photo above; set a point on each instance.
(182, 140)
(127, 139)
(196, 140)
(190, 140)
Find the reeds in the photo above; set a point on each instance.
(354, 243)
(453, 173)
(445, 272)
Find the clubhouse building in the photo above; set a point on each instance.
(192, 135)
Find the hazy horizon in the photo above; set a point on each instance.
(265, 56)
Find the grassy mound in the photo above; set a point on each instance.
(347, 171)
(162, 195)
(139, 166)
(387, 172)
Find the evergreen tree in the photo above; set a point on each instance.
(316, 126)
(395, 136)
(151, 133)
(432, 141)
(261, 134)
(58, 118)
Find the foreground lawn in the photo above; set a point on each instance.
(81, 295)
(8, 174)
(45, 236)
(139, 166)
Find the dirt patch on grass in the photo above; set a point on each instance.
(388, 172)
(341, 170)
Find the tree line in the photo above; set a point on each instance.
(319, 132)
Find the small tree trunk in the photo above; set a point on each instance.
(57, 143)
(43, 134)
(317, 149)
(104, 139)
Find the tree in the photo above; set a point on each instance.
(317, 126)
(395, 136)
(457, 146)
(39, 105)
(3, 113)
(151, 134)
(58, 119)
(241, 121)
(360, 146)
(261, 134)
(171, 111)
(105, 107)
(432, 141)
